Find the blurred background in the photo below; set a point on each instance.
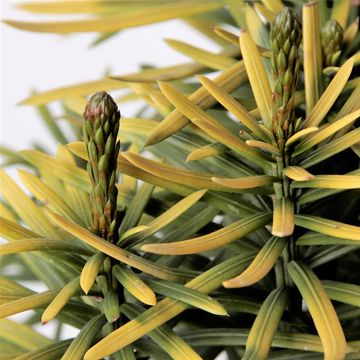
(36, 61)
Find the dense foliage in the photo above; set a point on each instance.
(235, 232)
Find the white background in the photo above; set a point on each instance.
(45, 61)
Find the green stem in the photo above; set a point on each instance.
(279, 274)
(286, 259)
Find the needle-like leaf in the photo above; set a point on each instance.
(265, 325)
(84, 339)
(52, 351)
(246, 182)
(351, 31)
(65, 7)
(136, 208)
(185, 177)
(188, 296)
(167, 217)
(328, 227)
(273, 5)
(264, 146)
(27, 302)
(165, 309)
(329, 182)
(22, 335)
(321, 107)
(321, 310)
(90, 271)
(114, 251)
(204, 57)
(298, 135)
(164, 336)
(283, 218)
(332, 148)
(211, 241)
(48, 196)
(73, 90)
(27, 210)
(209, 125)
(325, 132)
(68, 173)
(312, 59)
(232, 105)
(297, 173)
(121, 20)
(228, 80)
(257, 76)
(206, 151)
(311, 238)
(61, 299)
(343, 292)
(134, 285)
(42, 244)
(340, 11)
(261, 265)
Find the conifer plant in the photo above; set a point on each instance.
(224, 219)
